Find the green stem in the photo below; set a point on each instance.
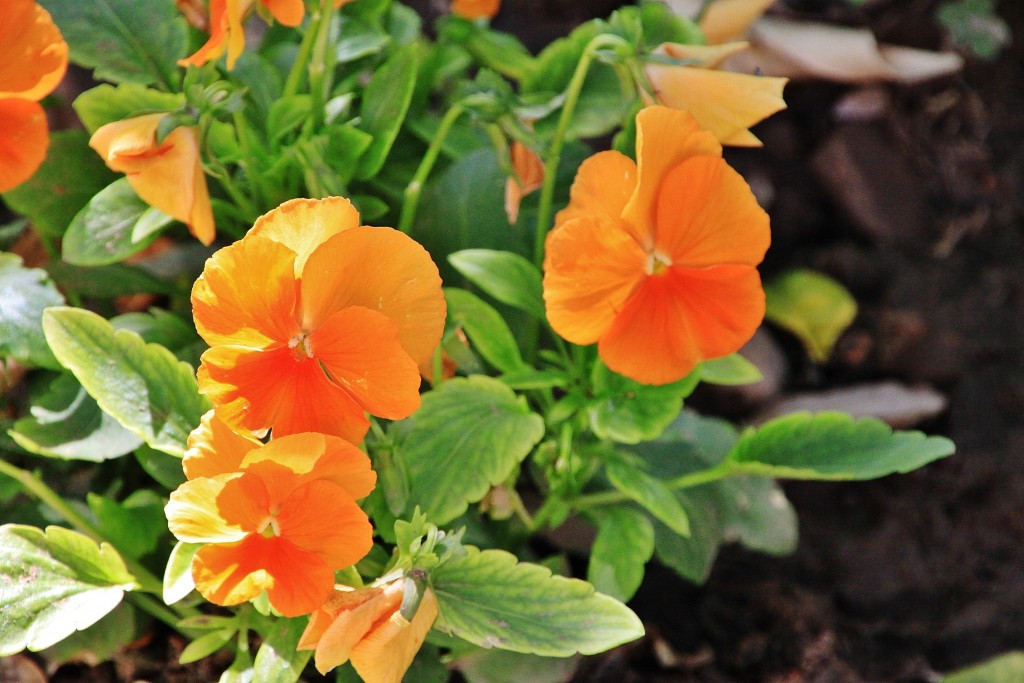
(411, 197)
(295, 76)
(554, 155)
(161, 612)
(318, 71)
(720, 471)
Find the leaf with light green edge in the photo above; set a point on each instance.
(492, 600)
(240, 670)
(627, 411)
(468, 435)
(205, 645)
(528, 378)
(814, 307)
(135, 526)
(508, 277)
(54, 583)
(65, 422)
(1006, 668)
(143, 386)
(486, 329)
(106, 103)
(650, 493)
(104, 232)
(98, 643)
(729, 370)
(68, 178)
(157, 326)
(277, 659)
(123, 40)
(385, 103)
(25, 293)
(178, 582)
(623, 545)
(833, 446)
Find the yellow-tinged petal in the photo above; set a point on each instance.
(193, 517)
(348, 616)
(23, 141)
(664, 138)
(330, 458)
(729, 19)
(33, 54)
(592, 266)
(214, 448)
(383, 270)
(385, 654)
(302, 225)
(602, 188)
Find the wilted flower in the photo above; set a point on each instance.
(529, 176)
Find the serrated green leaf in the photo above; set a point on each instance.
(627, 411)
(729, 370)
(178, 580)
(277, 659)
(814, 307)
(106, 103)
(469, 435)
(104, 231)
(501, 666)
(624, 544)
(492, 600)
(25, 293)
(1006, 668)
(833, 446)
(486, 329)
(508, 277)
(650, 493)
(98, 643)
(65, 422)
(143, 386)
(54, 583)
(123, 40)
(135, 525)
(386, 101)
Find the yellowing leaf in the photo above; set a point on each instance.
(814, 307)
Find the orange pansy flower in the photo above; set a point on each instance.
(168, 176)
(727, 104)
(656, 260)
(366, 627)
(283, 520)
(727, 20)
(33, 59)
(476, 9)
(313, 319)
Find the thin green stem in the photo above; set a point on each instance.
(411, 196)
(685, 481)
(161, 612)
(554, 155)
(318, 71)
(298, 72)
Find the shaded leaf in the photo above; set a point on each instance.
(624, 544)
(627, 411)
(107, 229)
(25, 293)
(107, 103)
(486, 329)
(385, 103)
(508, 277)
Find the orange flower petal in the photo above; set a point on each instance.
(287, 12)
(340, 602)
(385, 654)
(302, 225)
(33, 54)
(529, 176)
(476, 9)
(383, 270)
(707, 56)
(707, 215)
(591, 267)
(361, 352)
(353, 619)
(247, 295)
(321, 518)
(192, 517)
(664, 138)
(728, 19)
(682, 317)
(226, 33)
(214, 448)
(23, 141)
(602, 188)
(331, 458)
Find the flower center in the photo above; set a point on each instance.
(657, 263)
(269, 527)
(300, 346)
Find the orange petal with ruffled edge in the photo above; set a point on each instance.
(257, 390)
(287, 12)
(476, 9)
(214, 448)
(602, 188)
(387, 651)
(333, 459)
(682, 317)
(345, 619)
(591, 267)
(383, 270)
(23, 141)
(193, 517)
(664, 138)
(340, 538)
(33, 54)
(247, 295)
(302, 225)
(340, 603)
(707, 216)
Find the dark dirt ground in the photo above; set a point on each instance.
(897, 579)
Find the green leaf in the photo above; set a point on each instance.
(287, 114)
(143, 386)
(650, 493)
(69, 177)
(1006, 668)
(107, 281)
(135, 525)
(756, 513)
(107, 103)
(814, 307)
(500, 51)
(691, 556)
(65, 422)
(277, 659)
(501, 666)
(469, 435)
(55, 583)
(123, 40)
(833, 446)
(385, 103)
(178, 581)
(624, 544)
(508, 277)
(105, 231)
(25, 293)
(729, 370)
(158, 327)
(98, 643)
(359, 39)
(165, 469)
(205, 645)
(486, 329)
(627, 411)
(528, 378)
(974, 24)
(492, 600)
